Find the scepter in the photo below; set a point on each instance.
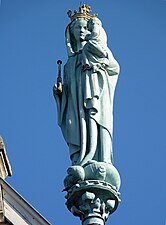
(59, 78)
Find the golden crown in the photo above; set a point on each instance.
(82, 13)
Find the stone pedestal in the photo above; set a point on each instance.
(92, 192)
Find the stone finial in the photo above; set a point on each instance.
(5, 167)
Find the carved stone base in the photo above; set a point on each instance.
(92, 191)
(92, 201)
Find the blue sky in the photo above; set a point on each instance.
(31, 41)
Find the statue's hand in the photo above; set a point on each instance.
(57, 90)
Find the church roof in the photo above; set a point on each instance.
(14, 209)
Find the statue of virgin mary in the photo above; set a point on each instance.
(85, 105)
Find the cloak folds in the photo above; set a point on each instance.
(90, 77)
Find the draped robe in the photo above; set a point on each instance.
(90, 77)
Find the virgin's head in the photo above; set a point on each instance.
(78, 31)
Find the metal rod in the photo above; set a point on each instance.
(59, 78)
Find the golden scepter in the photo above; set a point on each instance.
(59, 78)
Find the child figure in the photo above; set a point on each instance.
(96, 48)
(98, 34)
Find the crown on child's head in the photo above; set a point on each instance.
(82, 13)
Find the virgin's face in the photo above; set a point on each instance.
(80, 30)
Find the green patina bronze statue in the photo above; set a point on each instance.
(85, 106)
(85, 103)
